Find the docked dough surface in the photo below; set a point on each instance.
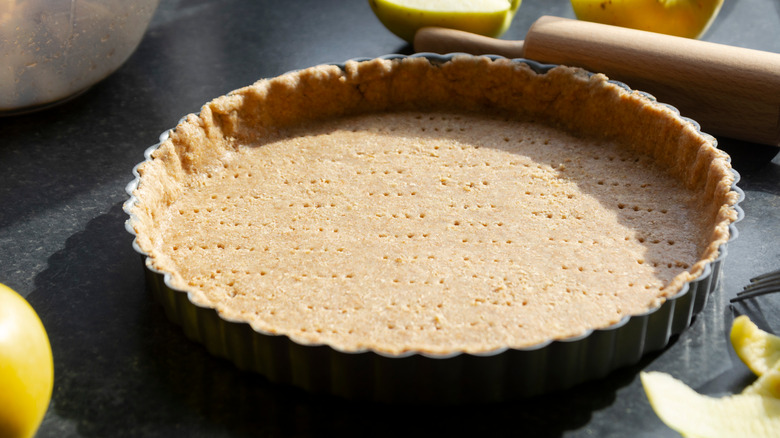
(435, 231)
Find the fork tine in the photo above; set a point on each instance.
(766, 282)
(772, 274)
(760, 285)
(750, 293)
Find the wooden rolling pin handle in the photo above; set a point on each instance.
(441, 40)
(729, 91)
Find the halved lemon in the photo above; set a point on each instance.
(685, 18)
(484, 17)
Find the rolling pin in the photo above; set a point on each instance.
(730, 91)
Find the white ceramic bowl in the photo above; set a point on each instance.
(51, 50)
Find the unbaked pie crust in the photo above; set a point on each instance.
(403, 205)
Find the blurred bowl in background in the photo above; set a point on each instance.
(52, 50)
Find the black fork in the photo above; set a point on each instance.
(761, 285)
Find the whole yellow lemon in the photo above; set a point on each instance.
(684, 18)
(26, 367)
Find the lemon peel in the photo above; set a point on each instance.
(696, 415)
(754, 412)
(767, 385)
(757, 349)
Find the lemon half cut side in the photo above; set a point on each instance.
(684, 18)
(404, 17)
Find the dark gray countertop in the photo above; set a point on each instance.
(123, 370)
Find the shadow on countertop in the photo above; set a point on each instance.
(122, 369)
(750, 158)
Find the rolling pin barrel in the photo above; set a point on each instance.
(443, 40)
(730, 91)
